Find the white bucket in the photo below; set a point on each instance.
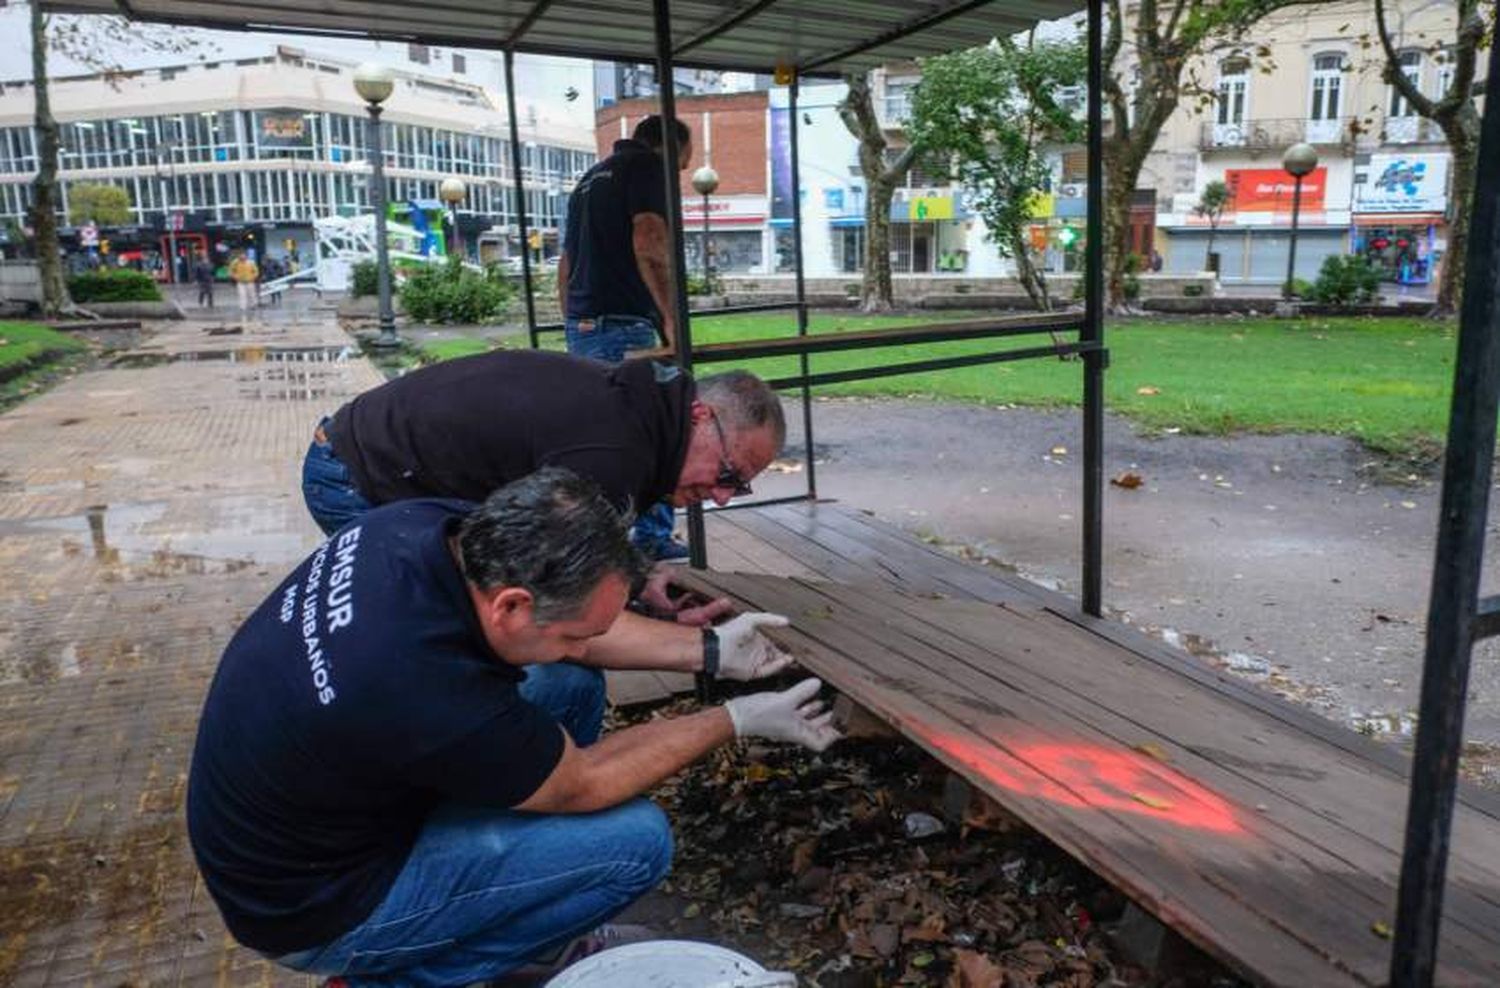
(670, 964)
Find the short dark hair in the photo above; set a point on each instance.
(649, 132)
(744, 402)
(552, 533)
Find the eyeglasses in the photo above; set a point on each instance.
(729, 474)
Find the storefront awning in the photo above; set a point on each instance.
(1397, 219)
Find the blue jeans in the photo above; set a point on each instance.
(484, 890)
(328, 488)
(609, 338)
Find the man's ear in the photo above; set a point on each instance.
(511, 609)
(699, 411)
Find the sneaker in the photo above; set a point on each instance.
(597, 940)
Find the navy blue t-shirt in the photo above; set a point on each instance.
(603, 279)
(357, 697)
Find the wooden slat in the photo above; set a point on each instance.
(913, 559)
(942, 670)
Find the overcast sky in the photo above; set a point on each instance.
(540, 80)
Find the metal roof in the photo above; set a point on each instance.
(818, 37)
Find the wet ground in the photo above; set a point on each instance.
(145, 507)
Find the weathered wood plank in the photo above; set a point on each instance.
(1280, 875)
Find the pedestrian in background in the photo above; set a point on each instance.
(244, 273)
(203, 277)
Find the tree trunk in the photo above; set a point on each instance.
(1122, 168)
(1029, 275)
(1463, 144)
(44, 188)
(875, 292)
(858, 114)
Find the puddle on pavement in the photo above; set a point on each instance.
(240, 355)
(121, 536)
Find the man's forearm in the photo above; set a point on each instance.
(653, 269)
(637, 642)
(626, 763)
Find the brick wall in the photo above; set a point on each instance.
(737, 122)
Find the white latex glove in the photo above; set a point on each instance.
(794, 715)
(745, 653)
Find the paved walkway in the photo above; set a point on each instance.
(144, 509)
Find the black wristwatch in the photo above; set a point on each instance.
(710, 653)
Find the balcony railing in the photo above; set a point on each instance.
(1274, 134)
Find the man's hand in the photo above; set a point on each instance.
(745, 653)
(794, 715)
(685, 608)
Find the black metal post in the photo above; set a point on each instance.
(387, 337)
(807, 418)
(704, 245)
(1094, 361)
(667, 94)
(1287, 291)
(1452, 612)
(515, 167)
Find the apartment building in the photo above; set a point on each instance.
(1310, 74)
(249, 152)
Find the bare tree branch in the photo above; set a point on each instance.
(1393, 74)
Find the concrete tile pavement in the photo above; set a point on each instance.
(145, 509)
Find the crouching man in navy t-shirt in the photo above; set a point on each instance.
(398, 776)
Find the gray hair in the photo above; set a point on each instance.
(745, 403)
(552, 533)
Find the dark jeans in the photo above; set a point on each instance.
(485, 890)
(610, 338)
(206, 293)
(328, 488)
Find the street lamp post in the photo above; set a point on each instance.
(452, 192)
(706, 181)
(165, 172)
(374, 84)
(1299, 161)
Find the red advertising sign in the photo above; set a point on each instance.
(1269, 190)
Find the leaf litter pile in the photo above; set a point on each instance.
(845, 869)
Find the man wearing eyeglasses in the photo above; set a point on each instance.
(643, 431)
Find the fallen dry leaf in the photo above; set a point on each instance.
(1151, 801)
(1153, 749)
(1148, 390)
(1129, 480)
(974, 970)
(1059, 451)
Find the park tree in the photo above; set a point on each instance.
(1212, 202)
(987, 115)
(1453, 111)
(883, 168)
(98, 203)
(1151, 44)
(92, 40)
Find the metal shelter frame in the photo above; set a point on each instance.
(752, 35)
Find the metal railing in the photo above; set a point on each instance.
(1274, 134)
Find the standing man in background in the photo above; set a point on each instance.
(203, 277)
(245, 273)
(612, 279)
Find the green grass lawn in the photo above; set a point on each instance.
(23, 342)
(463, 346)
(1383, 381)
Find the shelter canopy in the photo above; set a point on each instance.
(818, 37)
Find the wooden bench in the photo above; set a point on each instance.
(1265, 834)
